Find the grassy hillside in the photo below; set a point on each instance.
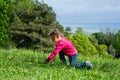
(29, 65)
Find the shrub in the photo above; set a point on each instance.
(116, 44)
(83, 44)
(102, 49)
(111, 50)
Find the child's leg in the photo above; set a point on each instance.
(72, 61)
(86, 64)
(62, 57)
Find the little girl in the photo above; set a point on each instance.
(65, 47)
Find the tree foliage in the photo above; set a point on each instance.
(4, 22)
(101, 48)
(67, 31)
(93, 40)
(31, 23)
(116, 43)
(80, 31)
(83, 44)
(105, 39)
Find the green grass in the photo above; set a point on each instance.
(29, 65)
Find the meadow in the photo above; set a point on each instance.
(21, 64)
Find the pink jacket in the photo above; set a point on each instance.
(66, 46)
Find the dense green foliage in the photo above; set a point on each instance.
(104, 38)
(83, 44)
(101, 48)
(67, 31)
(31, 24)
(111, 40)
(4, 22)
(28, 65)
(116, 44)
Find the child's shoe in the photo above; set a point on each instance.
(88, 65)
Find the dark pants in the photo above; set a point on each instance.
(72, 60)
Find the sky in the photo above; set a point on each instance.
(75, 12)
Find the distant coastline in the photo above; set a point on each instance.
(94, 27)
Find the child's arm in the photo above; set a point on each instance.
(58, 48)
(53, 54)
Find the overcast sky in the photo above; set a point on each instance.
(86, 11)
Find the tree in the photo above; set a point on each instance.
(101, 48)
(100, 37)
(79, 30)
(67, 31)
(116, 44)
(105, 39)
(31, 24)
(4, 22)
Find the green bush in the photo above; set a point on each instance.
(93, 40)
(83, 44)
(111, 50)
(102, 49)
(116, 44)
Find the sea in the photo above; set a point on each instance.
(90, 28)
